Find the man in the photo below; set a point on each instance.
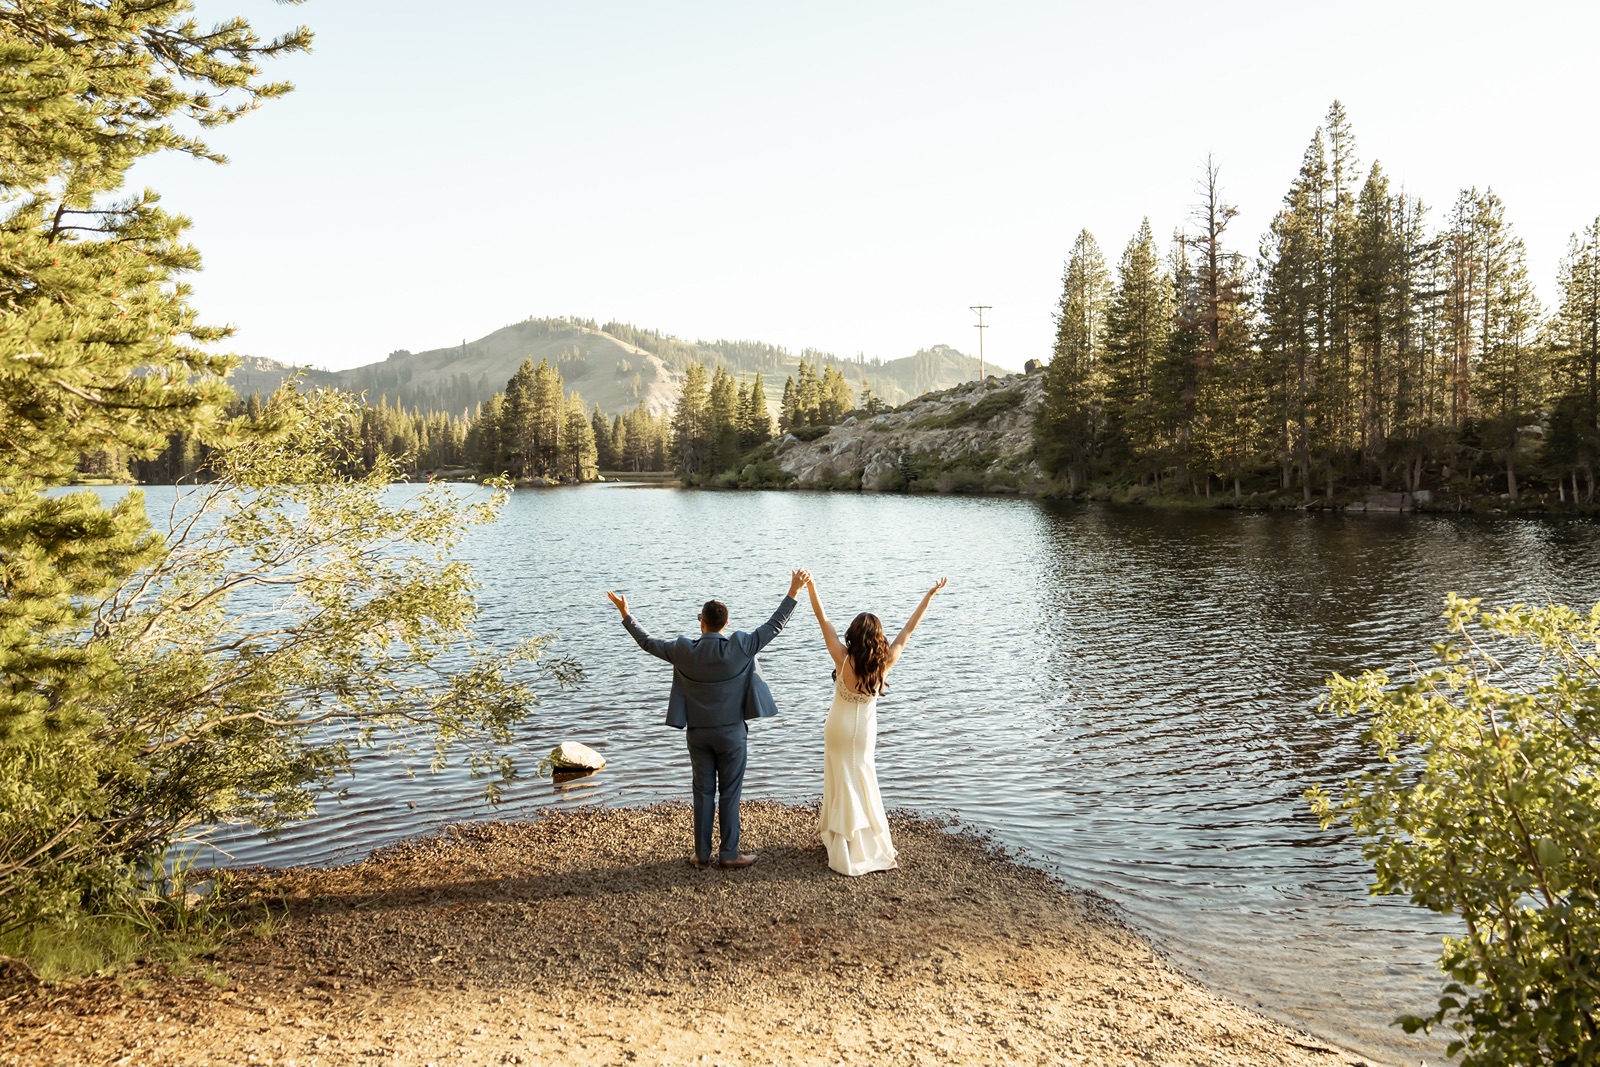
(716, 686)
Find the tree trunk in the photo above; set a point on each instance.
(1511, 476)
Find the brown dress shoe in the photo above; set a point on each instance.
(737, 862)
(699, 864)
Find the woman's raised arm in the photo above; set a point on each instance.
(899, 644)
(829, 634)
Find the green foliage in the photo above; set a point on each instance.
(1363, 347)
(295, 614)
(976, 413)
(1486, 805)
(98, 345)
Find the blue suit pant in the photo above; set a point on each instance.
(717, 754)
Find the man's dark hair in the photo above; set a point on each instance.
(714, 614)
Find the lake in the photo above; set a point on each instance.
(1127, 698)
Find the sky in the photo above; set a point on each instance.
(845, 176)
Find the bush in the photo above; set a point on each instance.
(974, 414)
(764, 474)
(295, 614)
(1487, 805)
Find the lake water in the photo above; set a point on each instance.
(1127, 697)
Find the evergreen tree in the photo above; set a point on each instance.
(1509, 384)
(722, 423)
(580, 454)
(691, 421)
(100, 347)
(1071, 420)
(549, 417)
(1138, 325)
(807, 396)
(1575, 422)
(601, 432)
(757, 419)
(834, 396)
(1222, 396)
(789, 409)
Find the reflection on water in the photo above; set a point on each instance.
(1129, 697)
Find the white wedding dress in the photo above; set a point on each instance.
(852, 823)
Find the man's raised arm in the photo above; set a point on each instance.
(764, 633)
(656, 646)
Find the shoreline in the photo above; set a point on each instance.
(1351, 503)
(585, 937)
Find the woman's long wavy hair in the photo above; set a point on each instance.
(868, 650)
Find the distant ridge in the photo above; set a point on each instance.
(617, 366)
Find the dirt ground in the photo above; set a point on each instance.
(585, 938)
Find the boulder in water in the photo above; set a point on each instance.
(570, 756)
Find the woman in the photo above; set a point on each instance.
(852, 823)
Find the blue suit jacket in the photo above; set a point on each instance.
(716, 680)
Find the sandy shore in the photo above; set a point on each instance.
(585, 938)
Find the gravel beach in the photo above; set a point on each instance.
(584, 937)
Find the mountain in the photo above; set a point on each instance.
(616, 366)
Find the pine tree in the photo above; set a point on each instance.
(549, 417)
(1509, 383)
(517, 423)
(580, 455)
(722, 423)
(833, 396)
(1138, 324)
(1574, 443)
(789, 409)
(101, 350)
(757, 419)
(600, 429)
(807, 396)
(1070, 424)
(1222, 396)
(691, 421)
(100, 347)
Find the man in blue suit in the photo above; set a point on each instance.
(716, 686)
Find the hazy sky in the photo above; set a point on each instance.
(845, 176)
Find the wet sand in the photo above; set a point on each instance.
(585, 938)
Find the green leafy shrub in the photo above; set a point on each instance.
(1486, 805)
(764, 474)
(295, 614)
(974, 414)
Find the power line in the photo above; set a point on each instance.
(980, 309)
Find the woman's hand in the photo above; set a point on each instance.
(936, 587)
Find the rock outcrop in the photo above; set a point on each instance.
(570, 756)
(977, 436)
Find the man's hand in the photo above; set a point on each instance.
(798, 580)
(620, 601)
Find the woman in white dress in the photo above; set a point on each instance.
(852, 823)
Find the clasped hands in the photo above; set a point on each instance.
(797, 581)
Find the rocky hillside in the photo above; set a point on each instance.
(976, 436)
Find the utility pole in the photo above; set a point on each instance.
(980, 309)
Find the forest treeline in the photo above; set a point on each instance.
(1362, 345)
(717, 420)
(533, 428)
